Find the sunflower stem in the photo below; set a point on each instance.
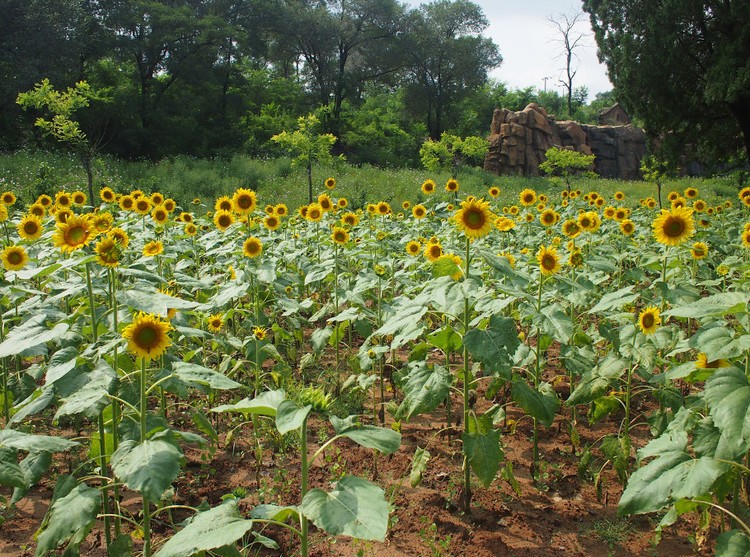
(303, 487)
(466, 391)
(143, 416)
(92, 308)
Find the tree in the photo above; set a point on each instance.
(681, 67)
(451, 152)
(307, 146)
(570, 40)
(566, 163)
(447, 57)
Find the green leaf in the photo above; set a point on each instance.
(151, 300)
(556, 323)
(495, 345)
(717, 341)
(356, 508)
(34, 443)
(599, 381)
(274, 512)
(11, 474)
(319, 272)
(383, 439)
(149, 467)
(33, 467)
(208, 530)
(61, 363)
(733, 543)
(615, 300)
(193, 373)
(719, 304)
(29, 334)
(484, 454)
(541, 404)
(69, 519)
(425, 387)
(265, 404)
(404, 324)
(727, 395)
(92, 395)
(446, 339)
(290, 417)
(418, 466)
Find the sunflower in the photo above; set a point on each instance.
(571, 228)
(73, 234)
(549, 260)
(691, 193)
(147, 336)
(627, 227)
(744, 193)
(127, 202)
(223, 203)
(252, 247)
(170, 205)
(428, 187)
(38, 210)
(673, 227)
(119, 236)
(260, 333)
(513, 210)
(699, 205)
(44, 200)
(350, 219)
(419, 211)
(137, 194)
(340, 235)
(61, 215)
(509, 258)
(527, 197)
(160, 215)
(746, 238)
(609, 212)
(621, 213)
(223, 220)
(157, 198)
(548, 217)
(302, 211)
(589, 221)
(272, 222)
(63, 199)
(679, 202)
(7, 198)
(575, 258)
(244, 201)
(699, 250)
(433, 251)
(78, 197)
(142, 205)
(672, 196)
(342, 203)
(330, 183)
(701, 362)
(413, 248)
(383, 208)
(30, 227)
(190, 229)
(325, 202)
(185, 217)
(107, 195)
(196, 201)
(108, 252)
(619, 196)
(494, 191)
(474, 218)
(14, 258)
(281, 210)
(504, 224)
(154, 247)
(215, 322)
(457, 262)
(541, 206)
(314, 212)
(452, 185)
(649, 320)
(406, 205)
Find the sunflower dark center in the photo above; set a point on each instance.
(15, 258)
(674, 227)
(147, 337)
(648, 321)
(75, 235)
(474, 218)
(548, 262)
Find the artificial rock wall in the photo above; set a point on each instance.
(518, 141)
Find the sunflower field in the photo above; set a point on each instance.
(135, 331)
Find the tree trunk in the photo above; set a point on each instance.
(741, 111)
(86, 156)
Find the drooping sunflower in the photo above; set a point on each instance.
(571, 228)
(147, 336)
(127, 202)
(428, 187)
(673, 227)
(627, 227)
(142, 205)
(119, 236)
(383, 208)
(160, 215)
(474, 218)
(215, 322)
(154, 247)
(74, 233)
(527, 197)
(272, 222)
(494, 191)
(252, 247)
(452, 185)
(509, 258)
(330, 183)
(699, 250)
(14, 258)
(419, 211)
(433, 251)
(223, 220)
(350, 219)
(223, 203)
(339, 235)
(244, 201)
(30, 227)
(78, 197)
(413, 248)
(701, 362)
(649, 320)
(314, 212)
(549, 260)
(108, 252)
(548, 217)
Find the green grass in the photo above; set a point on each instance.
(184, 178)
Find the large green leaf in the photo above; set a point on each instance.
(265, 404)
(718, 341)
(356, 508)
(290, 416)
(383, 439)
(149, 467)
(91, 396)
(541, 404)
(727, 395)
(69, 519)
(482, 448)
(418, 466)
(193, 373)
(425, 387)
(404, 324)
(615, 300)
(61, 363)
(599, 381)
(34, 443)
(208, 530)
(29, 334)
(734, 543)
(446, 339)
(10, 472)
(718, 304)
(556, 323)
(495, 345)
(150, 300)
(33, 467)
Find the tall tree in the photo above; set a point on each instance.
(682, 66)
(448, 57)
(570, 40)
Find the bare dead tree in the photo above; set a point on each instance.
(570, 40)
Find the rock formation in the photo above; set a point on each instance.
(518, 141)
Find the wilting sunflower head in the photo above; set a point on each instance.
(14, 258)
(119, 236)
(252, 247)
(474, 218)
(108, 252)
(674, 227)
(30, 227)
(74, 233)
(147, 336)
(428, 187)
(244, 201)
(549, 260)
(649, 320)
(527, 197)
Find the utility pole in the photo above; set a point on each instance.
(545, 82)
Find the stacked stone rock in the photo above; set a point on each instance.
(518, 141)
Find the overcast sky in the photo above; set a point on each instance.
(527, 44)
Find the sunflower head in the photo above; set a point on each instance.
(339, 235)
(451, 185)
(260, 333)
(504, 224)
(38, 210)
(314, 212)
(330, 183)
(127, 202)
(350, 219)
(383, 208)
(78, 197)
(428, 187)
(549, 260)
(147, 336)
(494, 192)
(627, 227)
(413, 248)
(119, 236)
(342, 203)
(281, 210)
(419, 211)
(160, 215)
(571, 228)
(474, 218)
(108, 252)
(63, 199)
(527, 197)
(325, 202)
(215, 322)
(691, 193)
(699, 250)
(190, 229)
(548, 217)
(157, 198)
(14, 258)
(30, 227)
(433, 251)
(252, 247)
(649, 320)
(223, 203)
(746, 238)
(153, 248)
(223, 220)
(74, 233)
(244, 201)
(44, 200)
(272, 222)
(142, 205)
(619, 196)
(673, 227)
(107, 195)
(702, 362)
